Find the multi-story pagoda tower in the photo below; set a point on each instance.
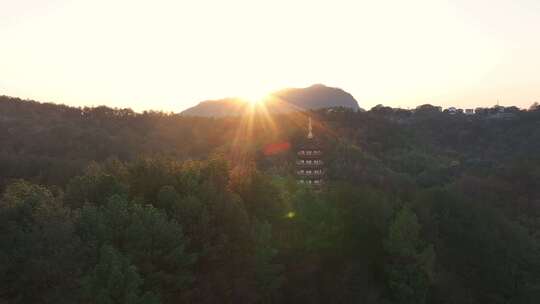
(309, 163)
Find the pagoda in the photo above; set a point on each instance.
(309, 163)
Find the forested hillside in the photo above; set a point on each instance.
(103, 205)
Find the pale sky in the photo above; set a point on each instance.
(169, 55)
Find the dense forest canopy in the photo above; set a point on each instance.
(101, 205)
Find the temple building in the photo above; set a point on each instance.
(309, 163)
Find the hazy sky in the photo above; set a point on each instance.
(168, 55)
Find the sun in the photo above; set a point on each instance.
(254, 97)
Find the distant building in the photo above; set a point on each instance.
(498, 109)
(469, 111)
(452, 111)
(481, 111)
(309, 164)
(497, 112)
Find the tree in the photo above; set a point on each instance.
(382, 110)
(267, 272)
(115, 280)
(40, 258)
(427, 109)
(154, 244)
(167, 198)
(493, 258)
(410, 266)
(261, 197)
(95, 186)
(318, 223)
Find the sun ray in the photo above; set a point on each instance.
(267, 124)
(254, 97)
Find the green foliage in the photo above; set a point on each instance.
(39, 251)
(411, 263)
(420, 207)
(167, 198)
(484, 248)
(147, 176)
(114, 280)
(267, 273)
(95, 186)
(259, 194)
(155, 244)
(318, 222)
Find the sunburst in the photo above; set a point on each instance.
(254, 97)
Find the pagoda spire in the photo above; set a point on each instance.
(310, 134)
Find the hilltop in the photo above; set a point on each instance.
(315, 97)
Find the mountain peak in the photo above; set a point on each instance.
(316, 96)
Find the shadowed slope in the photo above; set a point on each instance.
(284, 101)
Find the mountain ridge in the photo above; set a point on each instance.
(286, 100)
